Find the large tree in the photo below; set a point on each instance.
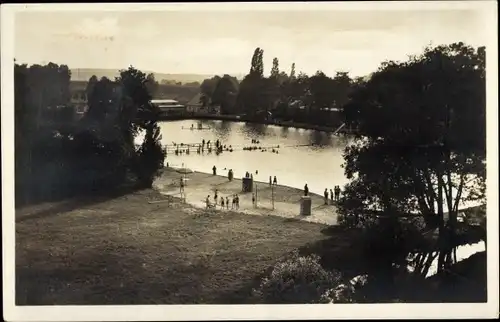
(151, 84)
(207, 89)
(137, 113)
(275, 70)
(100, 99)
(322, 91)
(421, 141)
(250, 97)
(257, 65)
(225, 94)
(343, 85)
(292, 71)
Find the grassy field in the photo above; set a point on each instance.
(126, 250)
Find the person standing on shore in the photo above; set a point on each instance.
(215, 197)
(337, 193)
(222, 203)
(233, 205)
(237, 202)
(331, 196)
(227, 203)
(181, 186)
(253, 200)
(306, 190)
(326, 196)
(207, 201)
(275, 181)
(270, 181)
(214, 170)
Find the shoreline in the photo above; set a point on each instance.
(286, 199)
(236, 118)
(189, 171)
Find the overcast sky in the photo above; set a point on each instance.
(218, 42)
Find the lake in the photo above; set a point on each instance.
(304, 156)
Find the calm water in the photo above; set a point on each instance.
(295, 164)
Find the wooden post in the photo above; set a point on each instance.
(256, 195)
(272, 194)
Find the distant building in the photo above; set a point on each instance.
(79, 100)
(169, 107)
(195, 106)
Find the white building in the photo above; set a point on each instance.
(169, 106)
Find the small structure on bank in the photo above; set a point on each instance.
(247, 183)
(305, 206)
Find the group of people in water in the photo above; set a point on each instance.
(200, 148)
(224, 201)
(219, 147)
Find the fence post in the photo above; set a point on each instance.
(272, 194)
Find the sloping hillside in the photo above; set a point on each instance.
(183, 94)
(83, 74)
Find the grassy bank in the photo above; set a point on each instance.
(143, 247)
(128, 250)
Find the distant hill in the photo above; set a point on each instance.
(181, 93)
(83, 74)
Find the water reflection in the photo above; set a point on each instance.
(255, 130)
(320, 138)
(284, 132)
(222, 129)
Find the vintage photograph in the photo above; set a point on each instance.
(208, 155)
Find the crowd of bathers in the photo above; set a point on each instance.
(222, 201)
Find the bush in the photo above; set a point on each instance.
(351, 292)
(300, 279)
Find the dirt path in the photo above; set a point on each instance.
(286, 199)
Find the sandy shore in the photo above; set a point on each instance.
(286, 199)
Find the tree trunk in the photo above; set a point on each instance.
(441, 238)
(428, 263)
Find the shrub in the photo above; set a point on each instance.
(351, 292)
(300, 279)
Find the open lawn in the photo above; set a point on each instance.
(127, 250)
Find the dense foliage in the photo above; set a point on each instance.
(420, 151)
(282, 96)
(299, 279)
(59, 154)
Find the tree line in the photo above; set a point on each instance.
(287, 96)
(59, 155)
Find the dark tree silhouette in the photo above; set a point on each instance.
(421, 143)
(275, 70)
